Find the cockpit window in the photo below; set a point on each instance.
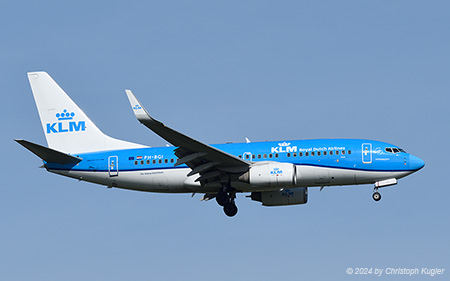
(394, 150)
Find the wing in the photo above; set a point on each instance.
(211, 163)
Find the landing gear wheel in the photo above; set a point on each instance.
(230, 209)
(376, 196)
(222, 198)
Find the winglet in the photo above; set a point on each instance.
(138, 109)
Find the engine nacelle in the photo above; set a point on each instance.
(293, 196)
(271, 174)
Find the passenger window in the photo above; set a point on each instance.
(343, 152)
(337, 152)
(148, 162)
(306, 153)
(171, 160)
(246, 156)
(324, 153)
(259, 156)
(294, 155)
(135, 162)
(253, 156)
(270, 155)
(300, 154)
(276, 155)
(240, 156)
(165, 161)
(288, 155)
(159, 161)
(318, 153)
(349, 152)
(313, 153)
(265, 156)
(142, 162)
(331, 152)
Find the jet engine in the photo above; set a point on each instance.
(293, 196)
(270, 174)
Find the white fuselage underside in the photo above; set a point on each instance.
(177, 181)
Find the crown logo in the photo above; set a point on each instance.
(284, 144)
(65, 115)
(137, 106)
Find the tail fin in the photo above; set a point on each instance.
(66, 126)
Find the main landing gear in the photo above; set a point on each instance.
(225, 198)
(376, 195)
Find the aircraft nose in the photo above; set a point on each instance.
(416, 163)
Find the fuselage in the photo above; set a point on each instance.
(321, 162)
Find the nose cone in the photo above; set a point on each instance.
(416, 163)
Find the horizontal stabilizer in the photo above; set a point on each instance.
(49, 155)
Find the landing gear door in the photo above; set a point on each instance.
(113, 166)
(367, 153)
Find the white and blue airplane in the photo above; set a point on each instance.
(275, 173)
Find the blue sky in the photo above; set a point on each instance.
(221, 71)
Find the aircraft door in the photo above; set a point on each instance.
(113, 166)
(367, 153)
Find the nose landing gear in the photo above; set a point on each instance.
(384, 183)
(376, 195)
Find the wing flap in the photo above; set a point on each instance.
(190, 157)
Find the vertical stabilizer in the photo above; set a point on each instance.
(66, 126)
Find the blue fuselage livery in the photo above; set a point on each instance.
(324, 162)
(330, 153)
(276, 173)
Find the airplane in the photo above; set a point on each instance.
(275, 173)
